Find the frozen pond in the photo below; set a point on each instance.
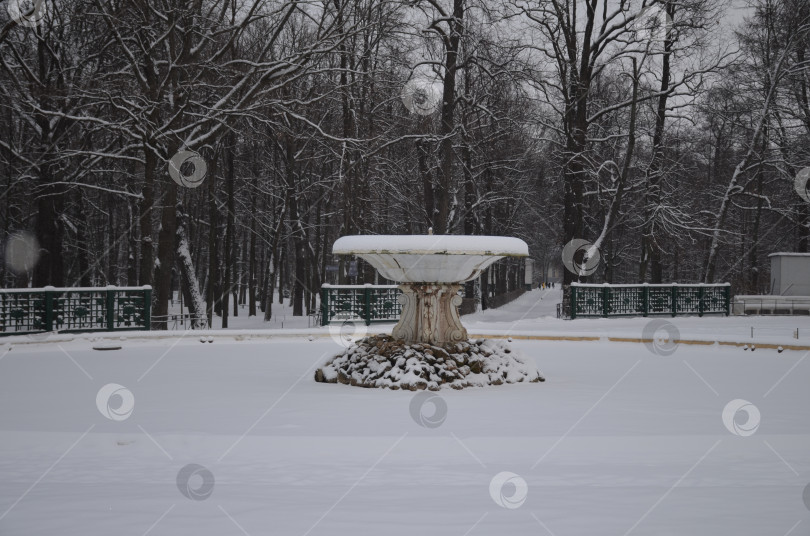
(618, 440)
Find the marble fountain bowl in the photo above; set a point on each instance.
(429, 347)
(430, 258)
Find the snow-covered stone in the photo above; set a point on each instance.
(384, 362)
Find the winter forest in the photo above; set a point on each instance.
(219, 147)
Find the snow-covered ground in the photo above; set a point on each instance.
(534, 314)
(618, 440)
(282, 318)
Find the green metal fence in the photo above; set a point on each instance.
(645, 300)
(40, 310)
(371, 303)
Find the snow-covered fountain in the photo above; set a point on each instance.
(429, 346)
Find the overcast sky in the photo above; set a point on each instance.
(738, 12)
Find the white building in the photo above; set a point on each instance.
(790, 274)
(790, 288)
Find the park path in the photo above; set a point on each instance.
(537, 303)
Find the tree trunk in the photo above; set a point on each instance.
(132, 246)
(451, 42)
(650, 247)
(166, 252)
(427, 183)
(469, 200)
(146, 205)
(252, 259)
(299, 237)
(227, 285)
(188, 278)
(85, 277)
(282, 272)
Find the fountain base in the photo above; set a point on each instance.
(429, 314)
(384, 362)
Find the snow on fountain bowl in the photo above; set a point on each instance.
(430, 258)
(429, 346)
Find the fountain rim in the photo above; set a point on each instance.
(462, 245)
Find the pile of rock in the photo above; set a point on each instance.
(382, 361)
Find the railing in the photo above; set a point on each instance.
(27, 311)
(370, 303)
(771, 305)
(180, 321)
(645, 300)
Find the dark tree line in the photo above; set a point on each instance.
(633, 124)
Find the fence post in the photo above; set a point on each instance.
(367, 304)
(110, 306)
(605, 301)
(701, 294)
(49, 312)
(147, 307)
(727, 293)
(674, 294)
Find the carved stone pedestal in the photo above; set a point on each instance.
(430, 314)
